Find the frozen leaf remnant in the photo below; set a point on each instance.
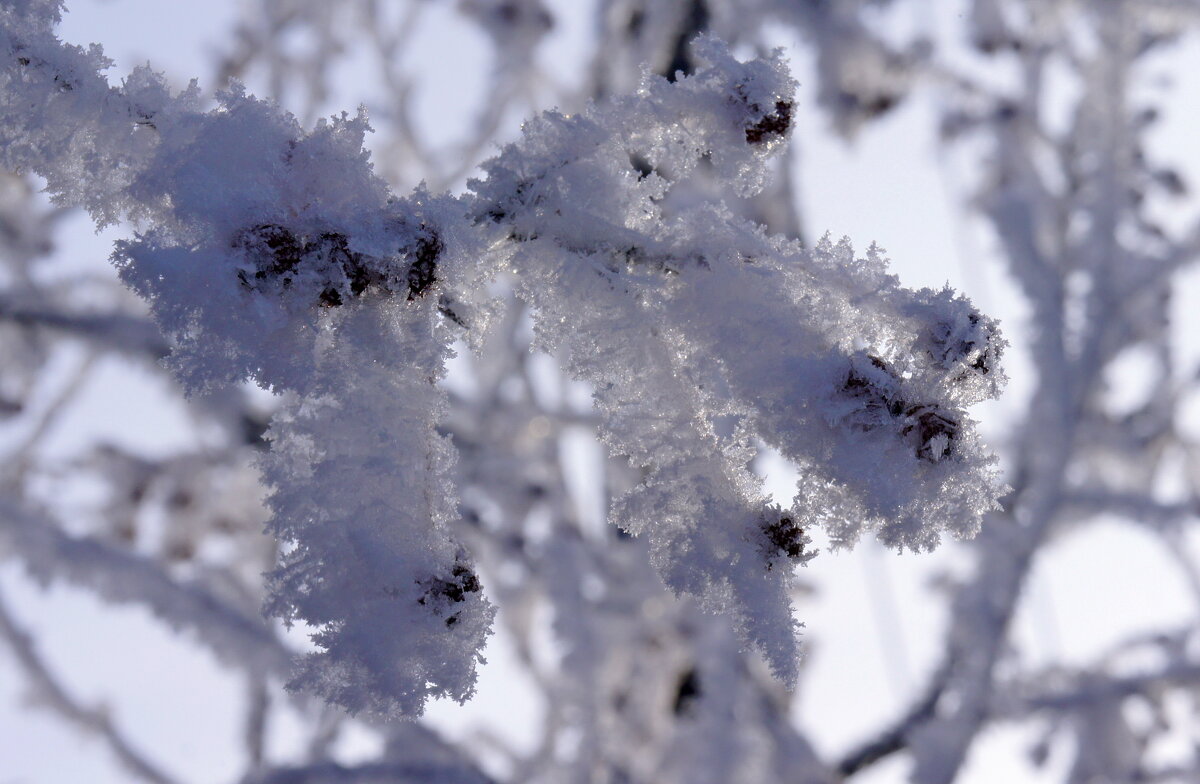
(274, 253)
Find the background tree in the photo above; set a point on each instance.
(637, 684)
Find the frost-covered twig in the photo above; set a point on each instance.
(306, 275)
(370, 773)
(1076, 281)
(115, 330)
(895, 737)
(1092, 689)
(119, 576)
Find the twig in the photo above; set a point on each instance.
(120, 576)
(93, 720)
(895, 738)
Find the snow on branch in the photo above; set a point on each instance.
(701, 334)
(274, 253)
(48, 553)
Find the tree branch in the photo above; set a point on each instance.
(52, 695)
(123, 577)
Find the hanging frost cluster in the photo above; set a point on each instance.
(273, 253)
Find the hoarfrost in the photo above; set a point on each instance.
(272, 253)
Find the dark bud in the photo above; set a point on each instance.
(422, 272)
(640, 165)
(276, 254)
(786, 536)
(462, 582)
(771, 125)
(882, 405)
(513, 14)
(974, 344)
(637, 20)
(687, 693)
(866, 106)
(253, 429)
(876, 386)
(143, 117)
(508, 13)
(446, 308)
(332, 250)
(274, 250)
(880, 104)
(335, 249)
(998, 43)
(932, 432)
(1007, 111)
(180, 550)
(696, 21)
(1171, 181)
